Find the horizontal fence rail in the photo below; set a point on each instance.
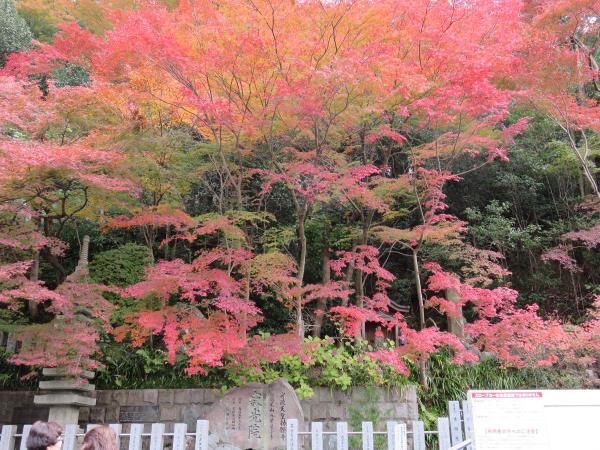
(461, 445)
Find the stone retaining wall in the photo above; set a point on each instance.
(187, 405)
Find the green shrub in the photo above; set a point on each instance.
(70, 74)
(121, 267)
(15, 35)
(15, 377)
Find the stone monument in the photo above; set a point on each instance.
(254, 416)
(65, 394)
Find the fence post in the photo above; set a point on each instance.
(418, 429)
(201, 435)
(400, 442)
(443, 433)
(157, 436)
(24, 436)
(69, 437)
(316, 435)
(390, 435)
(7, 439)
(118, 429)
(456, 431)
(367, 436)
(341, 434)
(468, 421)
(135, 436)
(292, 434)
(179, 436)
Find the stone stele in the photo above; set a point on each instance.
(254, 416)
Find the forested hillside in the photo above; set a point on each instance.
(344, 192)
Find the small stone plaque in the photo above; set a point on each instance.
(139, 414)
(27, 415)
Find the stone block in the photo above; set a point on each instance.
(151, 396)
(64, 414)
(341, 396)
(410, 393)
(182, 396)
(171, 413)
(413, 411)
(66, 385)
(212, 395)
(119, 398)
(306, 408)
(64, 399)
(312, 400)
(337, 412)
(323, 394)
(165, 396)
(401, 394)
(192, 413)
(359, 394)
(111, 414)
(135, 397)
(319, 413)
(401, 412)
(386, 410)
(103, 397)
(393, 395)
(196, 395)
(54, 372)
(97, 415)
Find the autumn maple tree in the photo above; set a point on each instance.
(218, 134)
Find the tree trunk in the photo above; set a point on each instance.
(167, 246)
(582, 157)
(55, 263)
(149, 237)
(358, 281)
(417, 275)
(422, 360)
(244, 324)
(349, 274)
(456, 325)
(423, 373)
(301, 267)
(359, 277)
(325, 278)
(32, 306)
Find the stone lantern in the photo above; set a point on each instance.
(64, 393)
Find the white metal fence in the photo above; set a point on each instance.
(398, 436)
(136, 438)
(452, 433)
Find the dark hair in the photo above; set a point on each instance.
(100, 438)
(42, 435)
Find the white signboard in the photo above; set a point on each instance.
(544, 419)
(508, 419)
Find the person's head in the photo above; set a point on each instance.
(45, 436)
(100, 438)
